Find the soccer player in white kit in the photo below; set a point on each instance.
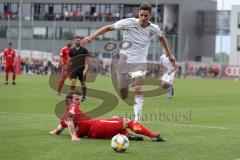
(133, 54)
(169, 62)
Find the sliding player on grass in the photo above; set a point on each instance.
(79, 125)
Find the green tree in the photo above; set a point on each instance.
(222, 55)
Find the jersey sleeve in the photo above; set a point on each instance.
(124, 23)
(4, 54)
(14, 54)
(158, 32)
(86, 52)
(72, 111)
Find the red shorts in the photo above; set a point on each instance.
(105, 129)
(82, 128)
(10, 68)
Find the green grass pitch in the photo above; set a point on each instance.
(207, 126)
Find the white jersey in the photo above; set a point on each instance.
(138, 38)
(164, 60)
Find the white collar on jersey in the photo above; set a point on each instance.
(149, 23)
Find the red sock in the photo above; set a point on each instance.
(6, 76)
(14, 77)
(138, 128)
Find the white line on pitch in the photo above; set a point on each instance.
(197, 126)
(30, 114)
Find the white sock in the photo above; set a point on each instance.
(138, 104)
(170, 91)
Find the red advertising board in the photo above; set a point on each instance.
(193, 66)
(231, 71)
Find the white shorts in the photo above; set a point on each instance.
(166, 78)
(138, 74)
(124, 79)
(128, 71)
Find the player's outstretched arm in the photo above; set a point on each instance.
(165, 45)
(174, 69)
(98, 32)
(86, 66)
(58, 130)
(72, 130)
(61, 59)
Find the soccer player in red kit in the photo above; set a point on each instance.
(9, 55)
(80, 125)
(64, 55)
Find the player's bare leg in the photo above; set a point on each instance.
(6, 78)
(124, 93)
(84, 89)
(61, 83)
(14, 78)
(165, 85)
(64, 75)
(74, 84)
(138, 99)
(170, 90)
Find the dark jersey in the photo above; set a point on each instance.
(78, 56)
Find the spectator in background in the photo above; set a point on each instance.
(179, 72)
(45, 66)
(215, 71)
(26, 65)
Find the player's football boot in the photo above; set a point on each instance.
(84, 99)
(158, 138)
(13, 83)
(132, 137)
(6, 83)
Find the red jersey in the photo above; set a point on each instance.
(82, 123)
(9, 55)
(74, 111)
(93, 128)
(64, 54)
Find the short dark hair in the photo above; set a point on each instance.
(10, 43)
(146, 7)
(70, 94)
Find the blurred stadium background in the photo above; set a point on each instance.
(202, 121)
(39, 28)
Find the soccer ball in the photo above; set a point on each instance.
(119, 143)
